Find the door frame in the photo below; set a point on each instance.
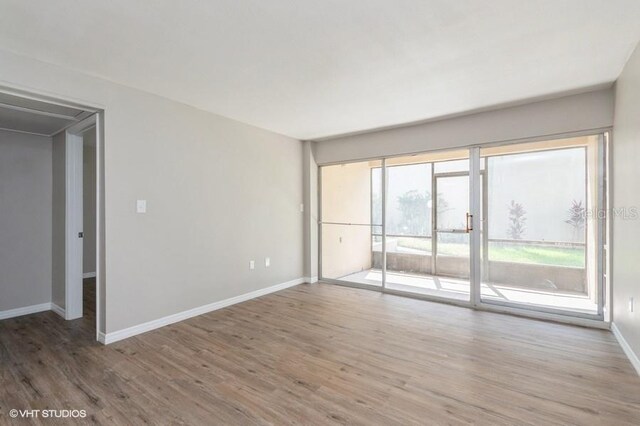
(74, 213)
(435, 216)
(601, 204)
(97, 110)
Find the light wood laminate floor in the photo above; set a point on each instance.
(322, 354)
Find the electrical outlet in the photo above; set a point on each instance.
(252, 264)
(267, 262)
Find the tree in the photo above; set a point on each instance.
(517, 220)
(576, 218)
(415, 212)
(414, 209)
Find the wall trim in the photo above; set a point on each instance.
(635, 361)
(26, 310)
(88, 275)
(181, 316)
(58, 310)
(311, 280)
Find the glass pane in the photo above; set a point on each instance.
(412, 270)
(402, 244)
(452, 166)
(540, 242)
(452, 202)
(409, 200)
(453, 255)
(411, 266)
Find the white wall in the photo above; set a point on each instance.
(626, 175)
(219, 193)
(593, 110)
(25, 220)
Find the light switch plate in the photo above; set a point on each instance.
(267, 262)
(141, 206)
(252, 264)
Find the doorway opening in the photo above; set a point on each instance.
(66, 140)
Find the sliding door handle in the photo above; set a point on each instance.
(469, 223)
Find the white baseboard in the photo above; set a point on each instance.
(17, 312)
(626, 348)
(102, 338)
(181, 316)
(88, 275)
(311, 280)
(58, 310)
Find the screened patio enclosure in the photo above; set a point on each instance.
(513, 225)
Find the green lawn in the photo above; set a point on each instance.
(541, 255)
(560, 256)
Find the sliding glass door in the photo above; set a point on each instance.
(422, 244)
(406, 225)
(409, 242)
(426, 215)
(542, 232)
